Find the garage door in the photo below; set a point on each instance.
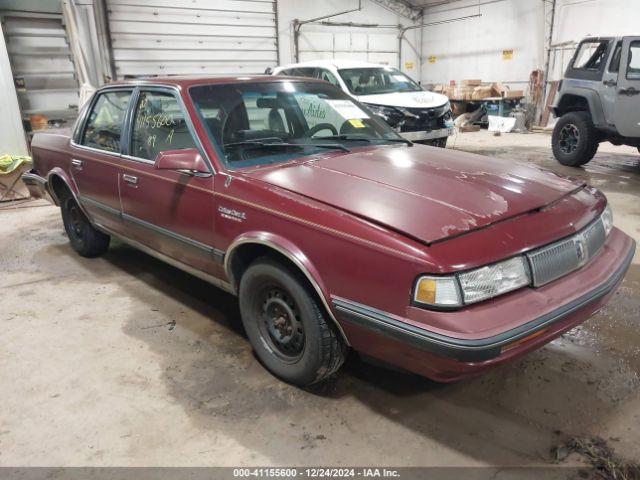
(41, 64)
(376, 45)
(192, 37)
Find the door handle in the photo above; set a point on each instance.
(130, 179)
(628, 91)
(610, 83)
(77, 164)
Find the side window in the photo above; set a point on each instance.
(590, 55)
(286, 73)
(304, 72)
(158, 125)
(327, 76)
(104, 125)
(633, 68)
(614, 66)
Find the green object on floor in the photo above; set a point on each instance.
(9, 163)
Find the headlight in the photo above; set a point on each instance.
(473, 286)
(493, 280)
(607, 219)
(390, 115)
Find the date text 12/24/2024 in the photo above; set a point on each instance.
(316, 472)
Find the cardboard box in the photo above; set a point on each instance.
(498, 89)
(471, 83)
(514, 94)
(482, 92)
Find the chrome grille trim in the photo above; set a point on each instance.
(560, 258)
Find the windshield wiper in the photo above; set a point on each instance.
(399, 140)
(344, 137)
(332, 146)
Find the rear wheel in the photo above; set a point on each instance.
(286, 326)
(575, 139)
(84, 238)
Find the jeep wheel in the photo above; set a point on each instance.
(84, 239)
(575, 139)
(286, 326)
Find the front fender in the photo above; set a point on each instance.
(291, 251)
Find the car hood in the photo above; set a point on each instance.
(406, 99)
(425, 193)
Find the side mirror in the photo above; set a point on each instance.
(187, 161)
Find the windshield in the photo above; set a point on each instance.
(271, 122)
(376, 80)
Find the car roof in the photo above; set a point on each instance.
(189, 81)
(334, 62)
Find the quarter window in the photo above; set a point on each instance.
(104, 125)
(159, 125)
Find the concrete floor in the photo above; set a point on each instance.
(125, 361)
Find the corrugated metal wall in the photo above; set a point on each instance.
(41, 64)
(193, 37)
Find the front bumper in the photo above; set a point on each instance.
(447, 358)
(430, 135)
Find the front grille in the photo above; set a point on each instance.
(426, 119)
(558, 259)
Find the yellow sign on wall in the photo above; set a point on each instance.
(507, 54)
(432, 59)
(408, 65)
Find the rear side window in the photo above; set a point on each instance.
(590, 55)
(300, 72)
(104, 125)
(159, 125)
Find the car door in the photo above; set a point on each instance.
(169, 211)
(609, 90)
(627, 119)
(95, 156)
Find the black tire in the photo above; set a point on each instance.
(84, 238)
(286, 325)
(575, 139)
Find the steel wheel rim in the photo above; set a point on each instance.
(281, 326)
(569, 138)
(75, 217)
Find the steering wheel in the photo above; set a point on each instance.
(318, 128)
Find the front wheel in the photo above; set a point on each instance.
(575, 139)
(286, 326)
(84, 238)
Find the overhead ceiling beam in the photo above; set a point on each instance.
(401, 7)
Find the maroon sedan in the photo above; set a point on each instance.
(334, 231)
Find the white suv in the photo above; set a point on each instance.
(418, 115)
